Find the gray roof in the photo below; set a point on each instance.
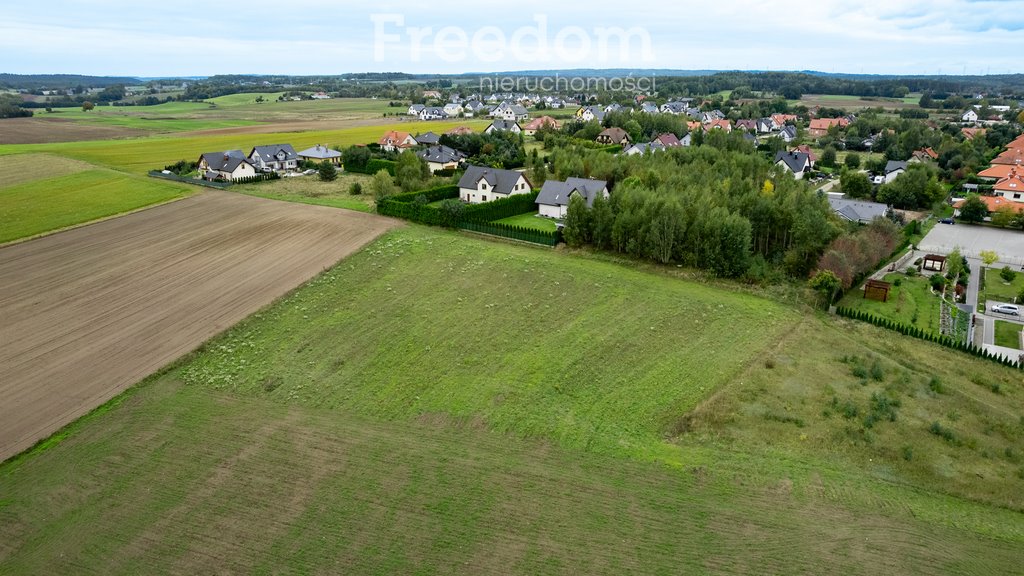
(644, 147)
(504, 125)
(321, 152)
(428, 139)
(555, 193)
(441, 154)
(795, 161)
(788, 130)
(501, 181)
(269, 153)
(894, 165)
(858, 210)
(225, 161)
(519, 110)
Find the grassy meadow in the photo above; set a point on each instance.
(311, 190)
(47, 193)
(530, 221)
(233, 110)
(439, 403)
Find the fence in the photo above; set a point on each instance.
(513, 232)
(195, 181)
(916, 332)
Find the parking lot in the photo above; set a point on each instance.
(972, 240)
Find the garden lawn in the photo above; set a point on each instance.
(531, 220)
(48, 204)
(1008, 334)
(912, 303)
(311, 190)
(999, 290)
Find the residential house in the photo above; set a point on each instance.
(668, 140)
(718, 124)
(820, 126)
(970, 116)
(228, 165)
(677, 107)
(592, 113)
(748, 125)
(504, 126)
(807, 150)
(644, 148)
(415, 109)
(472, 108)
(553, 199)
(484, 184)
(396, 141)
(453, 109)
(1011, 157)
(536, 124)
(780, 120)
(787, 133)
(763, 125)
(433, 113)
(650, 108)
(460, 131)
(993, 203)
(1011, 187)
(432, 94)
(321, 153)
(972, 133)
(613, 135)
(321, 96)
(893, 168)
(686, 140)
(274, 158)
(428, 139)
(441, 157)
(796, 163)
(860, 211)
(924, 155)
(997, 171)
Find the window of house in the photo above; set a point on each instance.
(483, 198)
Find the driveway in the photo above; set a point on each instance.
(972, 240)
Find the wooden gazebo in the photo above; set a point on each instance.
(934, 263)
(877, 290)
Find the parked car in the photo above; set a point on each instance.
(1006, 309)
(946, 221)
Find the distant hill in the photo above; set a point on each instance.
(58, 81)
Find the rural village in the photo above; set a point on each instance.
(396, 323)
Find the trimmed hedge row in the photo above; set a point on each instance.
(504, 208)
(515, 232)
(474, 217)
(373, 166)
(195, 181)
(916, 332)
(257, 178)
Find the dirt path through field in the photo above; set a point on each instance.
(86, 313)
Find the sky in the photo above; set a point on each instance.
(133, 38)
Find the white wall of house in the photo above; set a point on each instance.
(485, 193)
(242, 171)
(798, 175)
(550, 211)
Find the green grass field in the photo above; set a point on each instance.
(442, 404)
(73, 193)
(311, 190)
(229, 111)
(998, 289)
(912, 303)
(144, 154)
(1007, 334)
(530, 221)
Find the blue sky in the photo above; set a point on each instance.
(119, 37)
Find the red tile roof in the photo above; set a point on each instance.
(538, 123)
(998, 172)
(994, 203)
(1012, 183)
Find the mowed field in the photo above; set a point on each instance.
(439, 404)
(855, 102)
(224, 112)
(89, 312)
(45, 192)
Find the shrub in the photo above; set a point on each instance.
(355, 189)
(1007, 274)
(877, 373)
(911, 271)
(935, 385)
(942, 432)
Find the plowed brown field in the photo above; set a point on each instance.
(88, 312)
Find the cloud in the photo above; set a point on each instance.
(197, 38)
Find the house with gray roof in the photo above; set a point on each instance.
(860, 211)
(504, 126)
(433, 113)
(484, 184)
(553, 199)
(441, 157)
(428, 139)
(796, 163)
(649, 108)
(321, 153)
(274, 158)
(644, 148)
(787, 133)
(415, 109)
(893, 168)
(228, 165)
